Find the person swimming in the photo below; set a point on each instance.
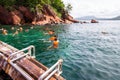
(31, 27)
(55, 44)
(27, 30)
(53, 38)
(4, 31)
(50, 32)
(21, 29)
(12, 28)
(16, 32)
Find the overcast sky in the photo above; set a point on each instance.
(98, 8)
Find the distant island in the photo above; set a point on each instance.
(116, 18)
(36, 12)
(96, 18)
(87, 18)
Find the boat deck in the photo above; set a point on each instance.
(22, 66)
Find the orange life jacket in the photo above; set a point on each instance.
(52, 38)
(55, 44)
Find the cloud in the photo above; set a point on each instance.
(99, 8)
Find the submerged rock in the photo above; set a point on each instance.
(104, 32)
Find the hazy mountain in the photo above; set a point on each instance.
(116, 18)
(87, 17)
(93, 17)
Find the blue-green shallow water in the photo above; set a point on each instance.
(88, 54)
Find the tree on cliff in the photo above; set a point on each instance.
(57, 4)
(68, 8)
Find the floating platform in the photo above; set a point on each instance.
(22, 65)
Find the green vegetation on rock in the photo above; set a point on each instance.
(57, 5)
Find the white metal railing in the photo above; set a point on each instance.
(56, 68)
(26, 75)
(30, 52)
(24, 55)
(3, 56)
(30, 49)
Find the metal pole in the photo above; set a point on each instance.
(27, 76)
(19, 57)
(50, 69)
(23, 50)
(47, 78)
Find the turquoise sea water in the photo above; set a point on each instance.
(90, 51)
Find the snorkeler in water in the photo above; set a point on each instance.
(55, 44)
(21, 29)
(4, 31)
(12, 28)
(53, 38)
(27, 30)
(31, 27)
(16, 32)
(50, 32)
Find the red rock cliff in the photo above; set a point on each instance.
(22, 15)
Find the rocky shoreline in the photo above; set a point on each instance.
(20, 15)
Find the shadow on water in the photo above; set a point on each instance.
(4, 76)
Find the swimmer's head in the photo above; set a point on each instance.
(52, 30)
(55, 39)
(55, 36)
